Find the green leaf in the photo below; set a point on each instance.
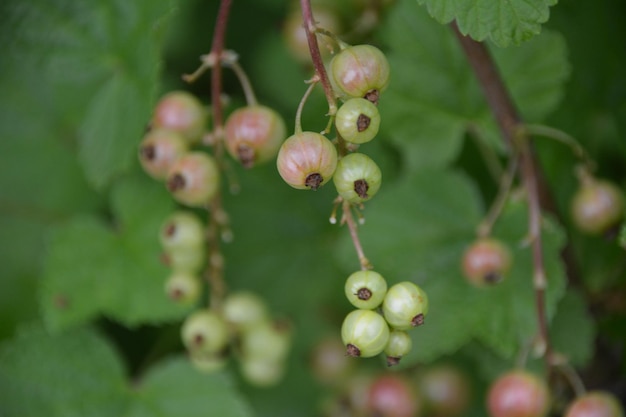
(434, 99)
(92, 268)
(423, 239)
(78, 374)
(175, 388)
(510, 22)
(102, 61)
(572, 332)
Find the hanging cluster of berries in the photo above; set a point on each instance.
(244, 328)
(237, 324)
(383, 316)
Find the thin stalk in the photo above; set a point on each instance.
(506, 183)
(312, 82)
(231, 60)
(354, 235)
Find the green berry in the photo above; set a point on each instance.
(399, 345)
(183, 287)
(357, 178)
(365, 289)
(359, 71)
(204, 332)
(181, 112)
(364, 333)
(244, 309)
(262, 372)
(486, 262)
(357, 120)
(208, 363)
(597, 206)
(405, 306)
(158, 151)
(306, 160)
(181, 230)
(267, 340)
(189, 259)
(194, 179)
(254, 134)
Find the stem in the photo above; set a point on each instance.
(310, 30)
(506, 183)
(312, 82)
(509, 120)
(352, 226)
(230, 59)
(217, 47)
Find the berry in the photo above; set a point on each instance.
(182, 229)
(595, 404)
(364, 333)
(357, 178)
(295, 36)
(329, 362)
(181, 112)
(446, 390)
(208, 363)
(359, 71)
(357, 120)
(365, 289)
(188, 259)
(253, 134)
(268, 340)
(204, 332)
(193, 180)
(405, 306)
(158, 151)
(261, 372)
(183, 287)
(486, 262)
(399, 345)
(392, 396)
(518, 393)
(306, 160)
(597, 206)
(244, 309)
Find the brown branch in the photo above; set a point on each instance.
(508, 120)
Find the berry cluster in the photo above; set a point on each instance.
(242, 326)
(366, 332)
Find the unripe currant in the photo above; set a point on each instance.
(365, 289)
(399, 345)
(295, 36)
(183, 287)
(357, 178)
(357, 120)
(405, 306)
(182, 229)
(486, 262)
(188, 259)
(365, 333)
(253, 134)
(208, 363)
(518, 393)
(244, 309)
(597, 206)
(260, 371)
(306, 160)
(181, 112)
(595, 404)
(194, 179)
(268, 340)
(204, 332)
(158, 151)
(359, 71)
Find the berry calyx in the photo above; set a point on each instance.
(359, 71)
(182, 229)
(364, 333)
(365, 289)
(193, 180)
(204, 332)
(158, 151)
(399, 345)
(253, 134)
(357, 120)
(486, 262)
(181, 112)
(306, 160)
(518, 393)
(597, 207)
(405, 306)
(595, 404)
(357, 178)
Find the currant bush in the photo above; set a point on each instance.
(254, 134)
(307, 160)
(357, 178)
(486, 262)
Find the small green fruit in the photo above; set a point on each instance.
(364, 333)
